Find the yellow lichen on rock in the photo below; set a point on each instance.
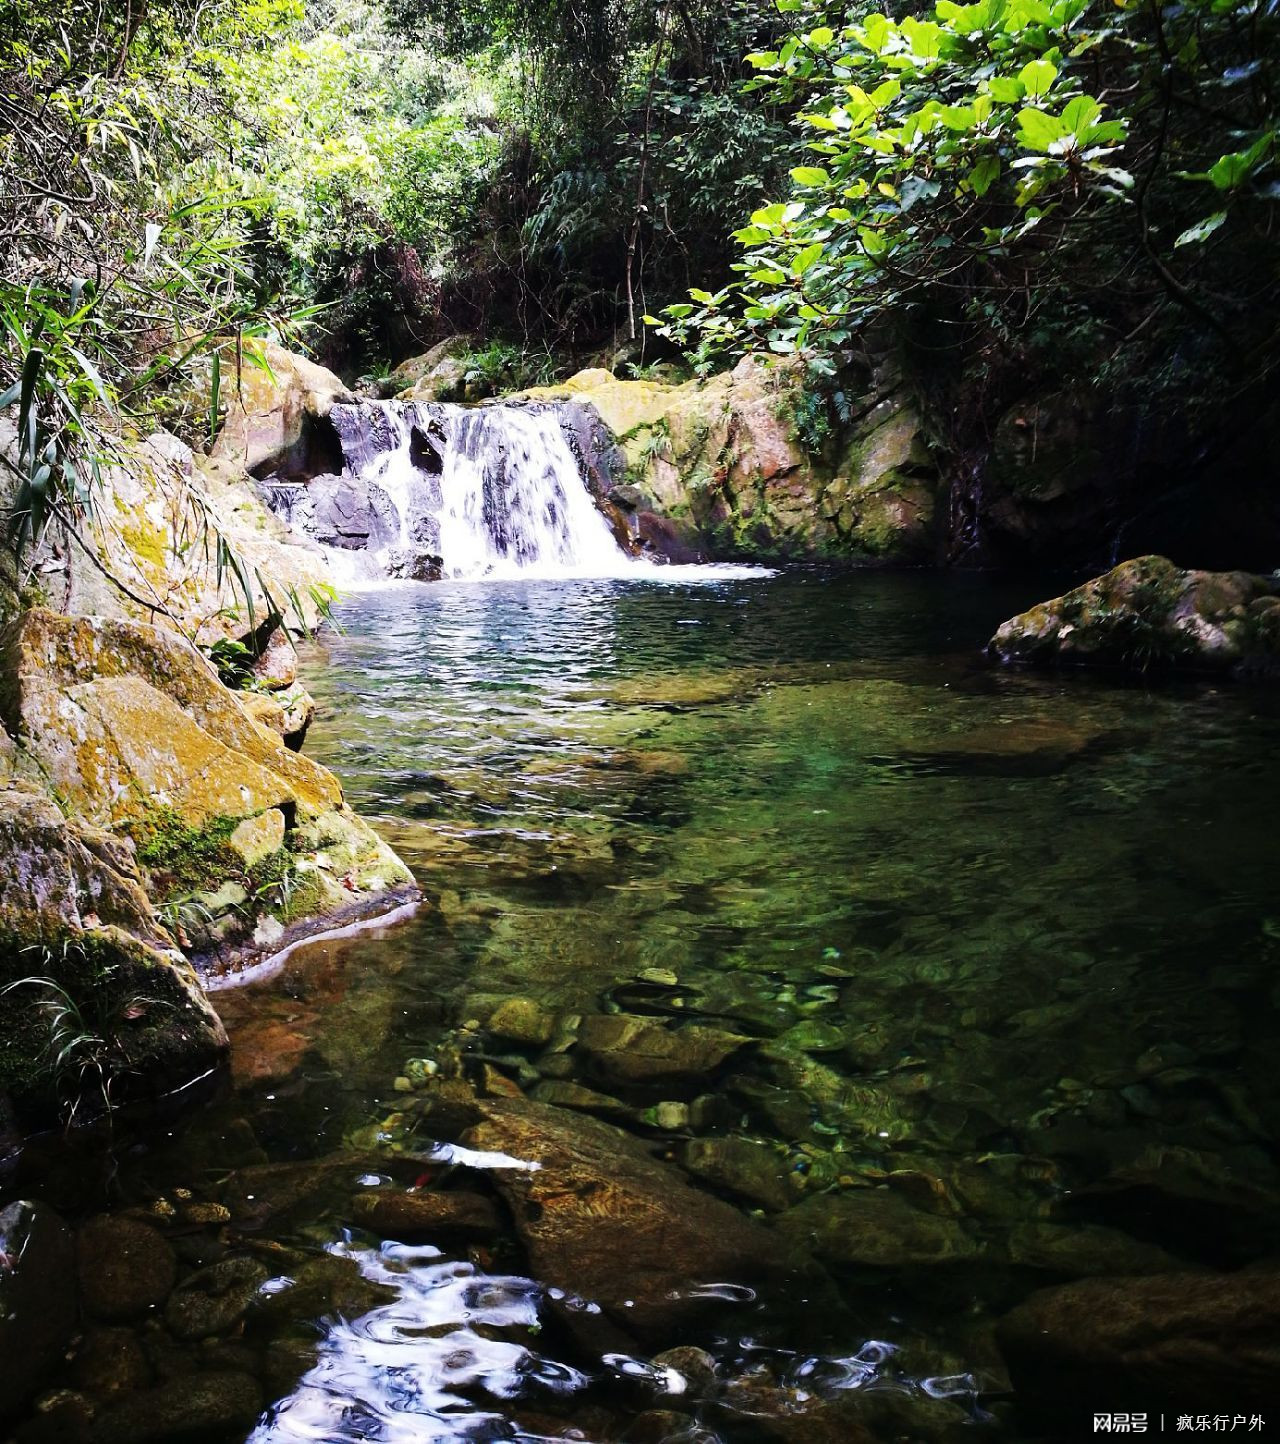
(121, 717)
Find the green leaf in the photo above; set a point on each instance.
(95, 379)
(1037, 77)
(1230, 171)
(1006, 90)
(806, 259)
(215, 397)
(810, 175)
(1202, 230)
(983, 176)
(1038, 130)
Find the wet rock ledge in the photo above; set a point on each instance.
(147, 823)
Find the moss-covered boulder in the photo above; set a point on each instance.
(722, 467)
(439, 374)
(279, 404)
(1149, 613)
(96, 1001)
(246, 842)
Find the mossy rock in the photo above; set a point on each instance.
(95, 999)
(1148, 613)
(721, 458)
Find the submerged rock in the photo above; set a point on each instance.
(37, 1299)
(126, 1268)
(620, 1048)
(1188, 1340)
(522, 1020)
(1150, 613)
(602, 1219)
(757, 1172)
(395, 1213)
(871, 1228)
(214, 1299)
(1084, 1251)
(205, 1407)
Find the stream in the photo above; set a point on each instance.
(996, 953)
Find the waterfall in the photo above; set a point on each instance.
(431, 491)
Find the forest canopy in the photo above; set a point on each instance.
(1011, 187)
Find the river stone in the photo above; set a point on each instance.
(754, 1171)
(1179, 1340)
(213, 1300)
(125, 1268)
(521, 1020)
(202, 1407)
(1084, 1251)
(602, 1219)
(620, 1048)
(872, 1228)
(110, 1362)
(322, 1286)
(564, 1094)
(397, 1214)
(37, 1298)
(1148, 612)
(694, 1371)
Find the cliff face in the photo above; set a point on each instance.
(734, 467)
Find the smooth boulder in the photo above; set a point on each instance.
(604, 1220)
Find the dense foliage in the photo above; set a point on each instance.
(1007, 190)
(1050, 184)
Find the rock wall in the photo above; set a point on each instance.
(156, 825)
(718, 468)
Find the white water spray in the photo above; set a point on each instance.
(431, 492)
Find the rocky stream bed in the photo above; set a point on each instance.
(809, 1034)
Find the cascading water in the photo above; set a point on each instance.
(433, 491)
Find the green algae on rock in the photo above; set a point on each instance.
(95, 994)
(1149, 613)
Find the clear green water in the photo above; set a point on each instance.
(1006, 945)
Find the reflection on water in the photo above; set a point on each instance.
(411, 1370)
(955, 982)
